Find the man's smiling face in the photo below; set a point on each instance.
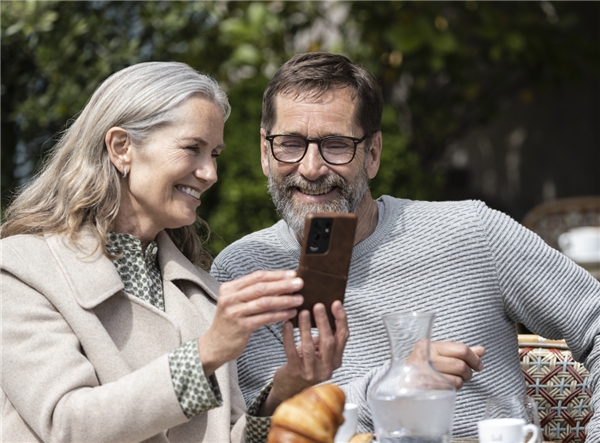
(313, 185)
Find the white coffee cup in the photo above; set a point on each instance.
(506, 430)
(347, 430)
(582, 244)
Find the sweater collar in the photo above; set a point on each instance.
(290, 242)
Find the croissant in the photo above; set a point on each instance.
(312, 416)
(362, 438)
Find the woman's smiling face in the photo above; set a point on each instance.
(168, 174)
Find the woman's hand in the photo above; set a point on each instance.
(244, 305)
(314, 360)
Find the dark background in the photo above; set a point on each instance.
(498, 101)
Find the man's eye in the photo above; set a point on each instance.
(336, 144)
(292, 145)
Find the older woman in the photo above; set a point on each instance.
(111, 330)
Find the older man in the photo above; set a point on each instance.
(476, 268)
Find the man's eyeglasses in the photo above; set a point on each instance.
(335, 149)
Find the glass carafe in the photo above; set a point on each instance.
(412, 402)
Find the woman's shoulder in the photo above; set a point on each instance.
(39, 251)
(23, 239)
(28, 258)
(22, 246)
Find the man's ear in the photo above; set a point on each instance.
(118, 145)
(374, 155)
(264, 152)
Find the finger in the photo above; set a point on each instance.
(288, 344)
(473, 359)
(459, 351)
(456, 381)
(258, 321)
(307, 348)
(478, 350)
(259, 277)
(267, 304)
(229, 294)
(342, 332)
(453, 367)
(326, 343)
(322, 320)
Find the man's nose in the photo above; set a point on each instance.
(312, 166)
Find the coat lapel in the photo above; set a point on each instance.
(90, 274)
(190, 293)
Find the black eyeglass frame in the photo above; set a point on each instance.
(318, 141)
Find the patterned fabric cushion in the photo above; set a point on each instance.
(560, 387)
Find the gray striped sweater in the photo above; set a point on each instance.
(476, 268)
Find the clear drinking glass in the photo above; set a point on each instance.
(411, 402)
(513, 406)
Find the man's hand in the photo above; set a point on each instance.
(456, 361)
(314, 360)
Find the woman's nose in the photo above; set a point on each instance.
(207, 171)
(312, 166)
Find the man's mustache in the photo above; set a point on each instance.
(322, 184)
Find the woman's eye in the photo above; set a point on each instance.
(192, 148)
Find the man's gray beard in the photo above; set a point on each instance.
(350, 198)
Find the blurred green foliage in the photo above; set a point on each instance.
(444, 67)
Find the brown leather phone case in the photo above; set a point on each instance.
(325, 260)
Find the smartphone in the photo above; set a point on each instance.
(325, 260)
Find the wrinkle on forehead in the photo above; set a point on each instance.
(316, 95)
(331, 113)
(314, 92)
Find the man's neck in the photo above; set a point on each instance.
(368, 216)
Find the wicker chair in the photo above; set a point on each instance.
(559, 385)
(554, 380)
(551, 219)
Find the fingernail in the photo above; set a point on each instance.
(298, 299)
(480, 366)
(297, 282)
(290, 274)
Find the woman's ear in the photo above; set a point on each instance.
(118, 145)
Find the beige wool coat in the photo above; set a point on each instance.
(85, 362)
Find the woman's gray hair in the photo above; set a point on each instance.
(79, 186)
(142, 97)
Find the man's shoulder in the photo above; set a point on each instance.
(262, 239)
(270, 248)
(432, 210)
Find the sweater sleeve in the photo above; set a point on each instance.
(548, 293)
